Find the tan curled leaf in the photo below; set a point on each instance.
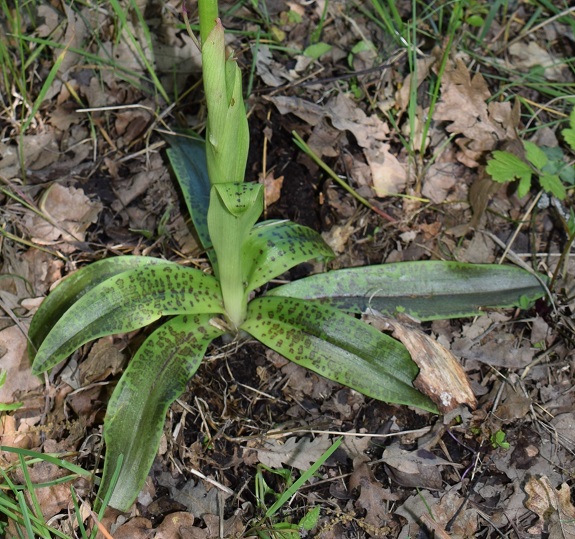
(553, 507)
(441, 377)
(68, 214)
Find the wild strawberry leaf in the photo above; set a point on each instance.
(552, 184)
(569, 134)
(156, 376)
(506, 167)
(426, 290)
(337, 346)
(535, 155)
(128, 301)
(274, 247)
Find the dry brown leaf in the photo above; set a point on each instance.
(492, 345)
(272, 188)
(553, 507)
(103, 360)
(70, 211)
(300, 454)
(273, 73)
(527, 57)
(135, 528)
(371, 494)
(345, 114)
(403, 95)
(439, 180)
(306, 110)
(177, 525)
(418, 468)
(52, 499)
(465, 525)
(14, 361)
(38, 151)
(388, 175)
(440, 377)
(464, 105)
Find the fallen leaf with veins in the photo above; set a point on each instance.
(300, 454)
(70, 213)
(419, 468)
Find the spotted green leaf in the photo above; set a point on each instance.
(337, 346)
(128, 301)
(274, 247)
(426, 290)
(188, 159)
(72, 288)
(156, 376)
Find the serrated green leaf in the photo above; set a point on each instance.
(426, 290)
(72, 288)
(535, 155)
(274, 247)
(506, 167)
(126, 302)
(337, 346)
(524, 186)
(569, 136)
(552, 184)
(188, 159)
(157, 375)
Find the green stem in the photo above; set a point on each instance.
(208, 10)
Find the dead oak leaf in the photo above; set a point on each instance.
(527, 57)
(464, 105)
(67, 214)
(300, 454)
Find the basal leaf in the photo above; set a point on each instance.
(336, 346)
(426, 290)
(128, 301)
(156, 376)
(188, 159)
(72, 288)
(274, 247)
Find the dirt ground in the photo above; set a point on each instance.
(97, 184)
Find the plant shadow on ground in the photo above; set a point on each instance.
(248, 406)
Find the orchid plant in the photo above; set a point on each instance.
(312, 322)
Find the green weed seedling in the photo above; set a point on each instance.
(312, 322)
(270, 527)
(548, 165)
(498, 440)
(20, 503)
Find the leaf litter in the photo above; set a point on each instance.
(98, 186)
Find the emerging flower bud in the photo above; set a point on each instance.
(227, 137)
